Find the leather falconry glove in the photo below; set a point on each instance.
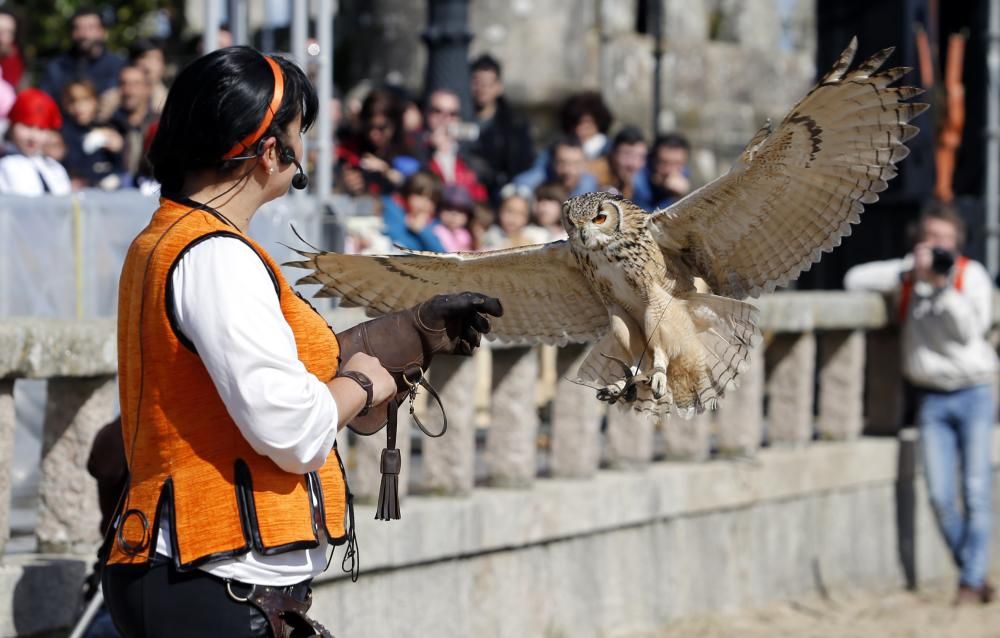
(406, 341)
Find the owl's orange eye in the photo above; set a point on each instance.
(600, 218)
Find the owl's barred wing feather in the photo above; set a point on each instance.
(796, 191)
(545, 297)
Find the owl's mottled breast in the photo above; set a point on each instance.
(623, 272)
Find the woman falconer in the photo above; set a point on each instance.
(232, 387)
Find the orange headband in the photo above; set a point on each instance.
(272, 108)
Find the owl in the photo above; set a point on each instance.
(625, 279)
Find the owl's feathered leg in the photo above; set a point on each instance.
(615, 355)
(656, 355)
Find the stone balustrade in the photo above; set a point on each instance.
(812, 340)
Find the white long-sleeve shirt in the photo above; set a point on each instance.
(944, 334)
(37, 175)
(226, 305)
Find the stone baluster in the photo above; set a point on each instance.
(740, 419)
(449, 462)
(68, 512)
(841, 384)
(687, 439)
(883, 385)
(7, 427)
(512, 439)
(576, 419)
(630, 438)
(791, 363)
(365, 476)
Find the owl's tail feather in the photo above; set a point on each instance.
(727, 329)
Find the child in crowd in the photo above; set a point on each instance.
(25, 169)
(454, 216)
(513, 228)
(409, 217)
(549, 199)
(93, 152)
(480, 224)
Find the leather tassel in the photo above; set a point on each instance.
(388, 491)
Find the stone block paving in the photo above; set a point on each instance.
(928, 613)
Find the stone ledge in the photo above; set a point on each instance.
(43, 348)
(440, 528)
(36, 348)
(804, 311)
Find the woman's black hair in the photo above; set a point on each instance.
(218, 100)
(389, 103)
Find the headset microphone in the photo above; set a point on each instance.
(301, 180)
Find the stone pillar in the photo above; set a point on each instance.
(7, 426)
(687, 439)
(68, 510)
(630, 438)
(791, 363)
(883, 382)
(841, 384)
(740, 419)
(576, 419)
(512, 440)
(449, 463)
(365, 477)
(447, 38)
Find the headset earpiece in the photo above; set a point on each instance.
(287, 156)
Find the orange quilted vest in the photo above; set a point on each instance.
(187, 458)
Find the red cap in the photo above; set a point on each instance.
(34, 107)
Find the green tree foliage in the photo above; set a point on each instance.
(45, 28)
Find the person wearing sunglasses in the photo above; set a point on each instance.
(445, 134)
(378, 150)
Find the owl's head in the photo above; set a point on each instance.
(595, 219)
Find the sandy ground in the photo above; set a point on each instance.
(928, 613)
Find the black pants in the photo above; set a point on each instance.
(150, 601)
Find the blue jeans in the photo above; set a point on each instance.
(956, 430)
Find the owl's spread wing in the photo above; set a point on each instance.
(545, 297)
(796, 191)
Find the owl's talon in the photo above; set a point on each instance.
(611, 392)
(658, 384)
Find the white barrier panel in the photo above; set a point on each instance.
(61, 256)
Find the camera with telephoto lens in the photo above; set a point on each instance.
(942, 260)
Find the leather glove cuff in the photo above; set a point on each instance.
(392, 339)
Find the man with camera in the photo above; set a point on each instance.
(944, 306)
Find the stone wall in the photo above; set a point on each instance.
(626, 551)
(641, 548)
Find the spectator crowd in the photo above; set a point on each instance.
(415, 175)
(89, 117)
(413, 172)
